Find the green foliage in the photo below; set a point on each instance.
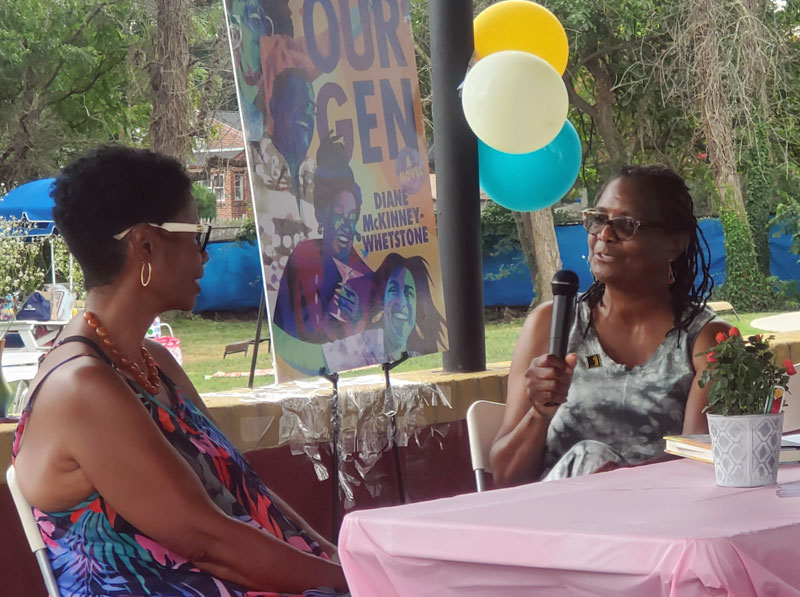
(745, 286)
(247, 233)
(623, 62)
(700, 180)
(742, 374)
(514, 266)
(787, 221)
(562, 217)
(67, 268)
(420, 27)
(498, 230)
(210, 85)
(74, 74)
(206, 201)
(64, 82)
(615, 100)
(22, 265)
(499, 236)
(759, 187)
(25, 264)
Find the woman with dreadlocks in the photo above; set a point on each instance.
(631, 372)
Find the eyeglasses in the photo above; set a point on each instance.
(624, 227)
(202, 231)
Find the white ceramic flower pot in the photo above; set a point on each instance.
(746, 449)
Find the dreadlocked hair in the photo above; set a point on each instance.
(670, 194)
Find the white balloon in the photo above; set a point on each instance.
(514, 101)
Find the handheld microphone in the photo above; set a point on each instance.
(565, 287)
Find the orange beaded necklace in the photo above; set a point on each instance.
(150, 382)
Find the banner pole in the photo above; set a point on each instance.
(457, 187)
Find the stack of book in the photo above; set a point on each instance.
(698, 447)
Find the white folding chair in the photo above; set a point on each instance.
(483, 421)
(790, 406)
(32, 533)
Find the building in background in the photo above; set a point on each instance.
(219, 162)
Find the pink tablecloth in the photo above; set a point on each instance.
(664, 529)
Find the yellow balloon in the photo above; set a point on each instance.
(521, 25)
(514, 101)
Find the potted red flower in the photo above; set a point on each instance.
(745, 434)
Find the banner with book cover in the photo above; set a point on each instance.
(332, 120)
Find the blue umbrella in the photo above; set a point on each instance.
(31, 202)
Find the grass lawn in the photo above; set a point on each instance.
(203, 342)
(744, 322)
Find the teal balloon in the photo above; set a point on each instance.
(531, 181)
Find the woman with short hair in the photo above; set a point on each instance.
(134, 488)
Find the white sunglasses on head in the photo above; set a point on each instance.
(202, 231)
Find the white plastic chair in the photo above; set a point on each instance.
(32, 533)
(483, 421)
(790, 406)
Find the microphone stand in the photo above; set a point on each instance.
(334, 379)
(390, 408)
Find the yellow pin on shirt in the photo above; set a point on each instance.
(593, 361)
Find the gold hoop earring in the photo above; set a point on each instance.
(144, 282)
(671, 276)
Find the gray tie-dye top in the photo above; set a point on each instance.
(628, 408)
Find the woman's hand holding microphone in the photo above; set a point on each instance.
(547, 382)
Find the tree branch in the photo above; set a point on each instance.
(90, 17)
(71, 39)
(84, 88)
(53, 75)
(577, 100)
(615, 48)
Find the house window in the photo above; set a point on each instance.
(238, 187)
(218, 186)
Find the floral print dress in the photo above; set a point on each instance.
(96, 552)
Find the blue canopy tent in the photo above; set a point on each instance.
(32, 203)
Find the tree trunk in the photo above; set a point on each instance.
(169, 80)
(605, 104)
(744, 284)
(525, 235)
(537, 235)
(548, 257)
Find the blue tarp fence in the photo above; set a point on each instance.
(516, 288)
(232, 278)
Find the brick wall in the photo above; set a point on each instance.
(230, 207)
